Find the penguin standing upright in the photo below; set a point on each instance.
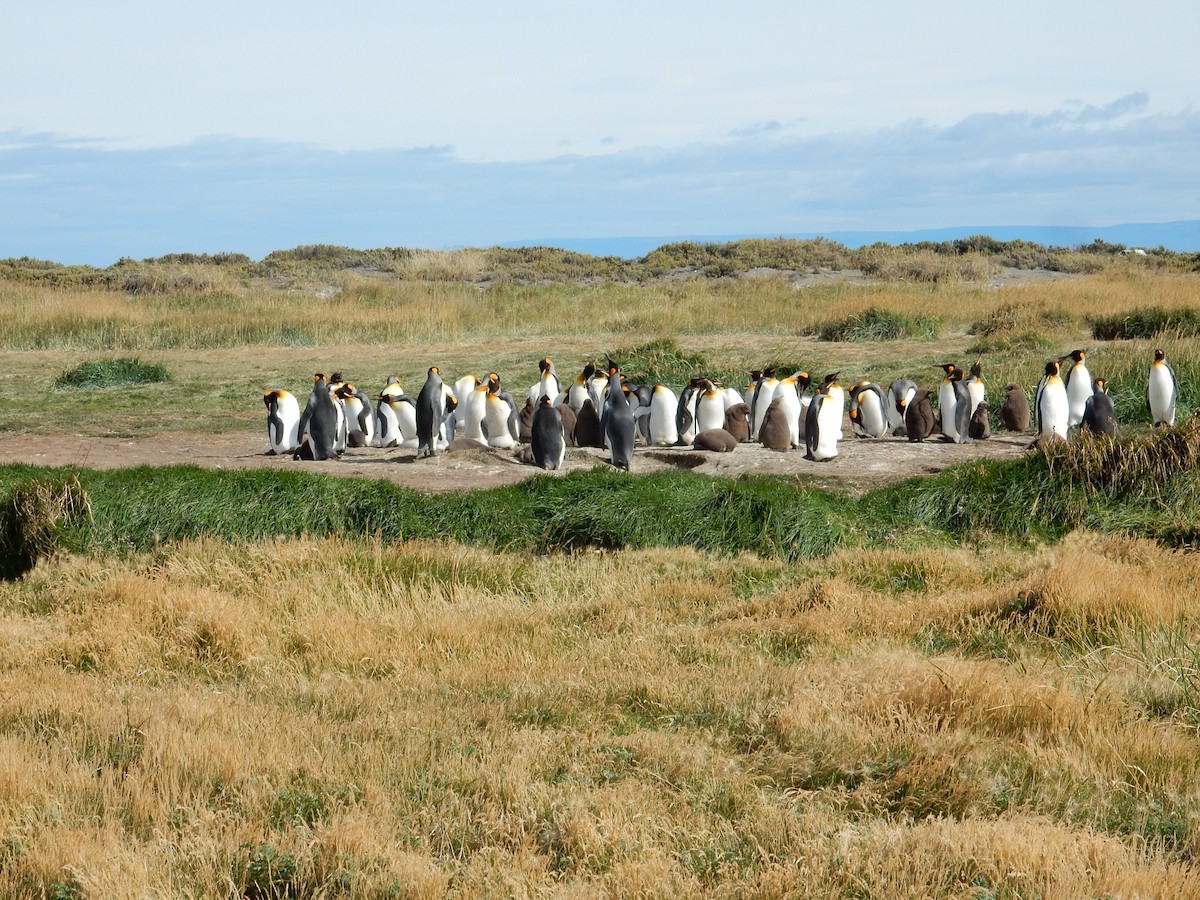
(1099, 414)
(320, 420)
(283, 421)
(548, 384)
(497, 417)
(824, 425)
(587, 426)
(685, 412)
(528, 411)
(918, 416)
(787, 391)
(546, 440)
(360, 416)
(663, 406)
(979, 428)
(1050, 403)
(1079, 386)
(976, 389)
(710, 406)
(619, 425)
(764, 393)
(1161, 391)
(776, 430)
(472, 411)
(431, 409)
(1014, 411)
(578, 392)
(948, 401)
(737, 421)
(963, 411)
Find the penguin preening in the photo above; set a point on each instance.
(360, 416)
(547, 440)
(918, 416)
(868, 410)
(900, 394)
(283, 422)
(1099, 414)
(319, 422)
(1162, 390)
(620, 429)
(1050, 403)
(953, 405)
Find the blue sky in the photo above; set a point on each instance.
(143, 128)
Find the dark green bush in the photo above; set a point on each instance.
(103, 373)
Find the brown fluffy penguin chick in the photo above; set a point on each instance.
(776, 432)
(716, 439)
(568, 420)
(737, 421)
(525, 422)
(587, 426)
(918, 417)
(979, 427)
(1014, 411)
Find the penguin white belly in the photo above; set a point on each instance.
(1161, 395)
(283, 435)
(978, 393)
(872, 421)
(710, 412)
(406, 420)
(829, 427)
(947, 407)
(339, 443)
(473, 412)
(496, 417)
(789, 404)
(765, 394)
(1079, 391)
(663, 431)
(387, 434)
(1053, 408)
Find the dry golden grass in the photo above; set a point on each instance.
(427, 720)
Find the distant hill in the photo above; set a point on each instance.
(1182, 237)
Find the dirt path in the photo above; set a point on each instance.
(860, 466)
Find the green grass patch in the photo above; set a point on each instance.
(877, 324)
(1146, 322)
(106, 373)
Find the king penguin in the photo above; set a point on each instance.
(360, 416)
(787, 392)
(283, 421)
(710, 406)
(620, 429)
(900, 394)
(472, 411)
(1079, 386)
(431, 406)
(1014, 411)
(918, 416)
(320, 420)
(824, 425)
(764, 393)
(1099, 414)
(976, 389)
(663, 406)
(1051, 403)
(868, 410)
(948, 401)
(547, 442)
(1161, 391)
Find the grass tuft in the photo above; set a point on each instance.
(106, 373)
(877, 324)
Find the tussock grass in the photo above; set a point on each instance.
(1147, 322)
(354, 717)
(105, 373)
(876, 324)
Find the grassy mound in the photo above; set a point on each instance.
(105, 373)
(876, 324)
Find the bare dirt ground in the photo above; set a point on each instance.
(860, 466)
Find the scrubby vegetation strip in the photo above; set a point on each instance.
(1144, 485)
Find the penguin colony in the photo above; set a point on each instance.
(601, 408)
